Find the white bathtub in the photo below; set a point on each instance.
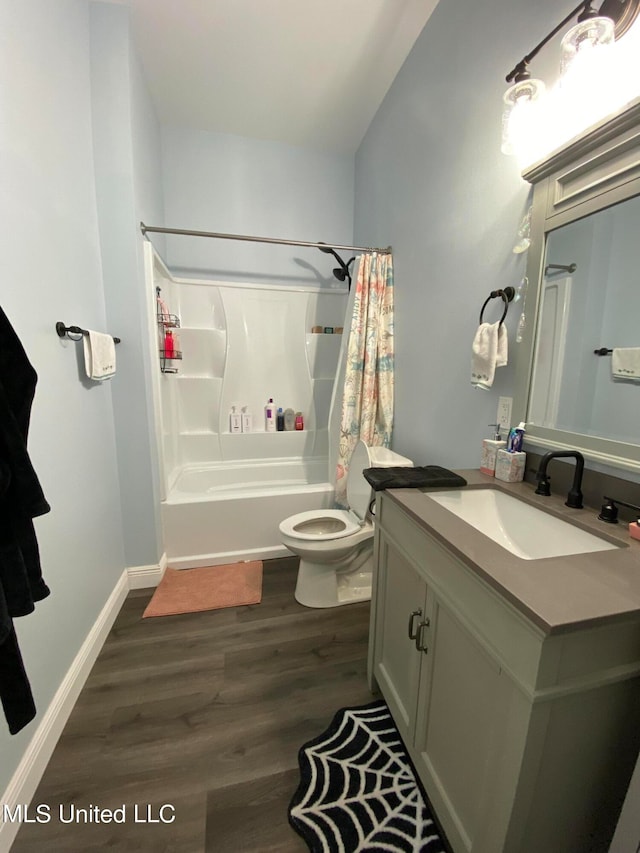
(221, 513)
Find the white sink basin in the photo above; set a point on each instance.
(526, 531)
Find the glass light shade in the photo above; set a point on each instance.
(519, 107)
(585, 36)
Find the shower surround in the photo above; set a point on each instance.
(224, 494)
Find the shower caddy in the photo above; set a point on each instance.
(166, 322)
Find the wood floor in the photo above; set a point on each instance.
(204, 712)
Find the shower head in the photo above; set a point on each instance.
(329, 251)
(341, 272)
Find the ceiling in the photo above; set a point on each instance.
(310, 73)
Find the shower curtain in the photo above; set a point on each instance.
(367, 402)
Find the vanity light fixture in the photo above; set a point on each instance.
(593, 29)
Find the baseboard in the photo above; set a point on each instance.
(25, 780)
(142, 577)
(196, 561)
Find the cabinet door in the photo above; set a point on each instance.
(460, 730)
(401, 607)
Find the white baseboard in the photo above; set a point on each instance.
(142, 577)
(29, 772)
(196, 561)
(25, 780)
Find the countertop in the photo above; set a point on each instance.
(556, 593)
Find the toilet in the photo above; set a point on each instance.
(335, 546)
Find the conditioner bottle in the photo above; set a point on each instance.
(270, 416)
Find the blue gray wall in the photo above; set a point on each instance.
(430, 180)
(51, 270)
(231, 184)
(67, 256)
(128, 185)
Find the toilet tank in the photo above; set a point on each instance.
(359, 492)
(382, 457)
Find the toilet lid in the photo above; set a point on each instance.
(359, 492)
(320, 524)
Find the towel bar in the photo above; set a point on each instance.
(63, 330)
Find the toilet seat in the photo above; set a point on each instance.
(321, 525)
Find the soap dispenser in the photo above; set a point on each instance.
(490, 448)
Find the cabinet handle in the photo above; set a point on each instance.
(420, 646)
(410, 629)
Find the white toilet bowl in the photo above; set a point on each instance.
(335, 546)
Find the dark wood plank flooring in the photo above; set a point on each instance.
(204, 712)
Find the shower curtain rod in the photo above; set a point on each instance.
(151, 228)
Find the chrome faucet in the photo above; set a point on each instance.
(574, 498)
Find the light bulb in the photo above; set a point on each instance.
(586, 36)
(519, 101)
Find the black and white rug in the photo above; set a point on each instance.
(358, 790)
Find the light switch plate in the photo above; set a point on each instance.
(503, 417)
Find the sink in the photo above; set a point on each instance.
(526, 531)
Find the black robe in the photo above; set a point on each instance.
(21, 500)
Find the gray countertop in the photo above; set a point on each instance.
(556, 593)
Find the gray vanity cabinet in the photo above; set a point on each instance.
(524, 741)
(401, 621)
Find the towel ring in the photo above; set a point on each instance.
(506, 295)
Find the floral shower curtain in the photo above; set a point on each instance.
(367, 403)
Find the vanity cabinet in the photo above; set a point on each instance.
(523, 739)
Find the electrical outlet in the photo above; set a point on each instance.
(503, 416)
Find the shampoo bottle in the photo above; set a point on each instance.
(246, 420)
(280, 421)
(289, 419)
(235, 424)
(270, 416)
(299, 421)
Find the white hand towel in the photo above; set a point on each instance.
(625, 363)
(489, 350)
(503, 346)
(99, 356)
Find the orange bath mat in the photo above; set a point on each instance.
(207, 588)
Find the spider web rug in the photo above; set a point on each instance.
(358, 790)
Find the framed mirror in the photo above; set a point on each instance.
(576, 380)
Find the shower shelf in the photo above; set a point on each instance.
(165, 361)
(167, 321)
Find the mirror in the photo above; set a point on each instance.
(585, 259)
(581, 312)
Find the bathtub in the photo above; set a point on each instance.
(225, 512)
